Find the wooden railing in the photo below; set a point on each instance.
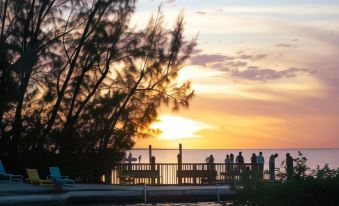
(188, 173)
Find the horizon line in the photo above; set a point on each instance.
(306, 148)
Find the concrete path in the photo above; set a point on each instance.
(27, 194)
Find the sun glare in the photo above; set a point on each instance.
(175, 127)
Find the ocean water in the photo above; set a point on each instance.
(186, 204)
(314, 156)
(163, 204)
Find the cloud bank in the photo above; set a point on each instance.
(241, 66)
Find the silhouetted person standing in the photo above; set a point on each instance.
(139, 158)
(240, 158)
(232, 158)
(227, 159)
(210, 168)
(261, 162)
(227, 163)
(254, 164)
(210, 160)
(254, 161)
(231, 161)
(272, 166)
(289, 166)
(240, 161)
(130, 158)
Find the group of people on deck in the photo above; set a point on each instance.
(237, 165)
(257, 163)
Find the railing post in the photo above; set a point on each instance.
(145, 194)
(150, 153)
(179, 164)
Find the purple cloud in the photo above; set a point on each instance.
(226, 66)
(284, 45)
(251, 56)
(236, 64)
(209, 58)
(201, 12)
(259, 56)
(169, 1)
(205, 59)
(245, 56)
(256, 73)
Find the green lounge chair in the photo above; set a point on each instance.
(10, 177)
(34, 178)
(56, 176)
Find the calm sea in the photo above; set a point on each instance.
(315, 156)
(165, 204)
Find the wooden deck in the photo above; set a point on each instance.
(195, 174)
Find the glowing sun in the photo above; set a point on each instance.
(175, 127)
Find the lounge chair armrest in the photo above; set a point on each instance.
(64, 177)
(18, 176)
(45, 181)
(49, 177)
(10, 175)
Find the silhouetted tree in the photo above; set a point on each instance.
(79, 83)
(29, 34)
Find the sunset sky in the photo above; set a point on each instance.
(266, 74)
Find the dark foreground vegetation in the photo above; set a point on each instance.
(307, 187)
(78, 81)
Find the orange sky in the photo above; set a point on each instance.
(266, 75)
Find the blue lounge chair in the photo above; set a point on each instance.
(10, 177)
(56, 177)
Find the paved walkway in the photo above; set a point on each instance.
(16, 188)
(27, 194)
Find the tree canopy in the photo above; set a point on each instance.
(78, 81)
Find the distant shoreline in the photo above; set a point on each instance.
(241, 149)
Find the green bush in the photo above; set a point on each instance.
(307, 187)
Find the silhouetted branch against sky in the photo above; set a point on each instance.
(94, 84)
